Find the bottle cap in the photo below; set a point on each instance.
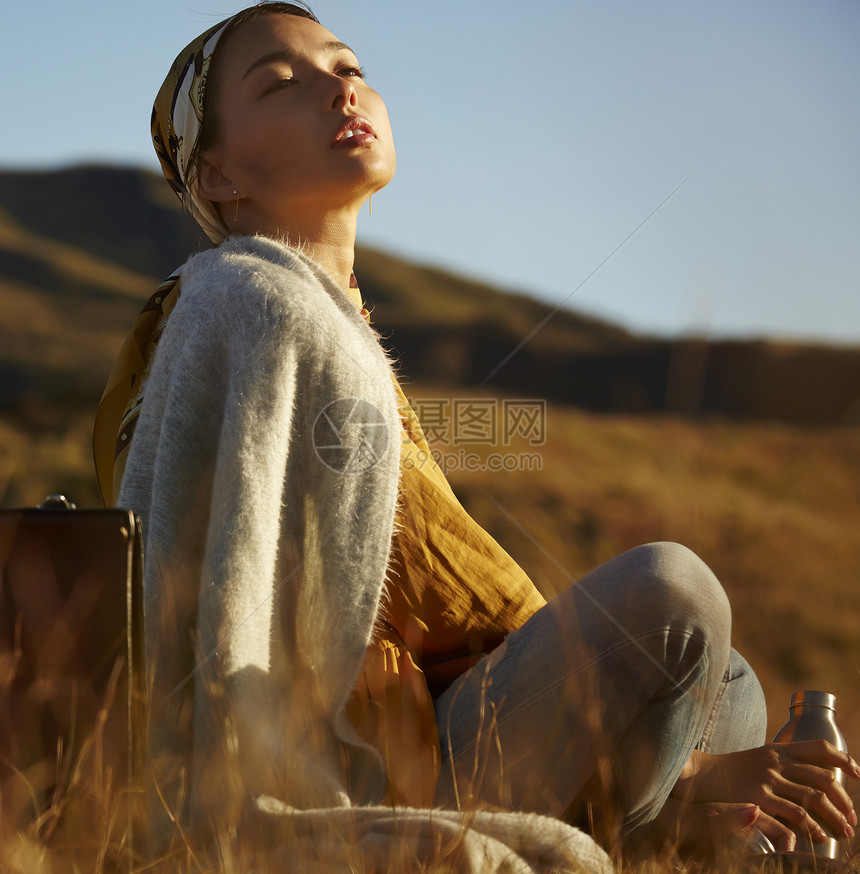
(811, 696)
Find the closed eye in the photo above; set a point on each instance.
(280, 83)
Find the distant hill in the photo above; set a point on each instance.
(81, 248)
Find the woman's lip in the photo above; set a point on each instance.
(355, 131)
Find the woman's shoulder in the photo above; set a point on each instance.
(257, 293)
(244, 272)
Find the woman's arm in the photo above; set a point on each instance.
(264, 562)
(791, 783)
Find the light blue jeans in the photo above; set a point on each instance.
(616, 680)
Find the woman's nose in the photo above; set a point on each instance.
(344, 93)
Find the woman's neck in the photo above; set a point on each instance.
(334, 256)
(330, 241)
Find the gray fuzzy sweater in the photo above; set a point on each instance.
(264, 467)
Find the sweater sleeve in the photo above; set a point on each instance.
(264, 466)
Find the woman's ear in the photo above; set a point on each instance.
(213, 184)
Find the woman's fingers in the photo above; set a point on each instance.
(779, 834)
(728, 823)
(793, 782)
(702, 831)
(821, 753)
(808, 780)
(806, 808)
(801, 820)
(819, 790)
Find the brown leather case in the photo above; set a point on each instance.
(71, 658)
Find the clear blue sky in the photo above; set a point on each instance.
(534, 137)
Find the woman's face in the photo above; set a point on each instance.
(299, 132)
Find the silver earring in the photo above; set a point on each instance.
(236, 216)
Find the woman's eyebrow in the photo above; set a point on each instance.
(280, 55)
(285, 55)
(336, 46)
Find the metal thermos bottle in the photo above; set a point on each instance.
(813, 717)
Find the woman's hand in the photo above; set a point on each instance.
(793, 784)
(707, 832)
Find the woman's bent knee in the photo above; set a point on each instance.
(676, 579)
(666, 585)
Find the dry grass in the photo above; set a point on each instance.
(93, 823)
(774, 510)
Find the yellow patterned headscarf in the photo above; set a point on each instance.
(176, 119)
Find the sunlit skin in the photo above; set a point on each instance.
(792, 782)
(282, 165)
(287, 92)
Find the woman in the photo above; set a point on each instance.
(324, 622)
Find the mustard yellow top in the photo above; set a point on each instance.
(453, 594)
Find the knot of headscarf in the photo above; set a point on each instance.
(176, 120)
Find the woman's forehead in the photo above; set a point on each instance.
(276, 33)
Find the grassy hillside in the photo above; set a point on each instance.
(441, 326)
